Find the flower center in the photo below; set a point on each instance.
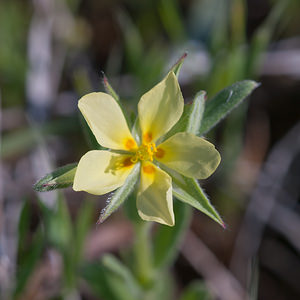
(144, 152)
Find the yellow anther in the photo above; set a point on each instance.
(144, 152)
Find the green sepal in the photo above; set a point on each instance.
(189, 191)
(191, 118)
(224, 102)
(62, 177)
(88, 135)
(120, 195)
(136, 130)
(196, 113)
(167, 239)
(177, 66)
(109, 89)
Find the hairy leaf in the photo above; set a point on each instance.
(189, 191)
(121, 194)
(60, 178)
(224, 102)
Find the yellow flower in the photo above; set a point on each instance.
(100, 171)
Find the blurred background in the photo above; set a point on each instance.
(53, 51)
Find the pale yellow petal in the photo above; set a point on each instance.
(99, 172)
(189, 155)
(106, 120)
(160, 108)
(154, 199)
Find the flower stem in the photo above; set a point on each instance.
(143, 254)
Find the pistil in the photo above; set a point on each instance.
(145, 152)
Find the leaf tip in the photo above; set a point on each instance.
(254, 83)
(35, 187)
(257, 84)
(224, 225)
(182, 57)
(103, 216)
(104, 78)
(39, 187)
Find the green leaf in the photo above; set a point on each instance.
(28, 259)
(115, 266)
(196, 291)
(167, 239)
(121, 194)
(191, 118)
(170, 15)
(59, 225)
(97, 278)
(177, 67)
(224, 102)
(106, 283)
(60, 178)
(24, 224)
(189, 191)
(133, 41)
(81, 228)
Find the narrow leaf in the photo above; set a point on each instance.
(224, 102)
(167, 239)
(189, 191)
(59, 227)
(97, 278)
(28, 260)
(81, 228)
(119, 269)
(24, 224)
(60, 178)
(121, 194)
